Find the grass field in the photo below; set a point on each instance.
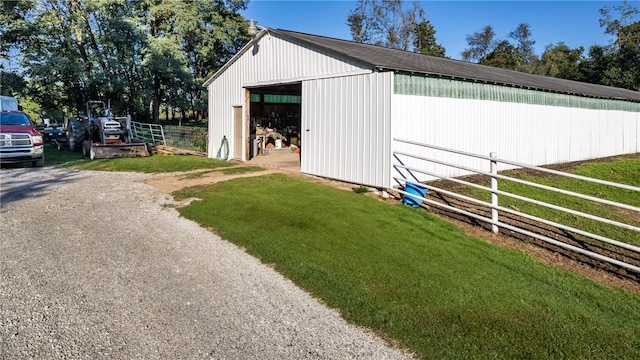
(413, 278)
(151, 164)
(417, 279)
(624, 170)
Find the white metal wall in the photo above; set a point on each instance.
(530, 134)
(346, 123)
(269, 60)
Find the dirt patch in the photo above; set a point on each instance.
(168, 183)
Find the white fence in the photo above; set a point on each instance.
(408, 178)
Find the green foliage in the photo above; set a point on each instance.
(481, 43)
(425, 40)
(616, 65)
(393, 24)
(522, 34)
(416, 279)
(487, 50)
(32, 109)
(200, 144)
(12, 84)
(138, 54)
(504, 56)
(360, 189)
(561, 61)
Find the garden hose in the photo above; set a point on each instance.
(224, 143)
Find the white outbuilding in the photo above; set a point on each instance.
(346, 105)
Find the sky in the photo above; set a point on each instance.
(576, 23)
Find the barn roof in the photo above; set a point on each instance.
(404, 61)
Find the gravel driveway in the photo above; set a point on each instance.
(95, 265)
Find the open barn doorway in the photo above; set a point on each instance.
(275, 125)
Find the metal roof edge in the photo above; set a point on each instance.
(235, 57)
(292, 35)
(462, 70)
(556, 85)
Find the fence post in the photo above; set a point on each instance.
(494, 194)
(153, 138)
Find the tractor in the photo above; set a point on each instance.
(101, 136)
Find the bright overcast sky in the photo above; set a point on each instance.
(576, 23)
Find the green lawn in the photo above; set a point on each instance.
(625, 170)
(416, 279)
(151, 164)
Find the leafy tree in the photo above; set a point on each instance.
(385, 23)
(595, 66)
(208, 44)
(38, 30)
(425, 40)
(504, 56)
(561, 61)
(163, 60)
(122, 38)
(526, 57)
(14, 27)
(480, 43)
(137, 54)
(486, 49)
(362, 29)
(623, 55)
(11, 84)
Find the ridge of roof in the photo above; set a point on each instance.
(404, 61)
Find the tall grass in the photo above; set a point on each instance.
(417, 279)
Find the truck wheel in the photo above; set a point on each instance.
(76, 135)
(38, 163)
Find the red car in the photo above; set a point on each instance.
(19, 139)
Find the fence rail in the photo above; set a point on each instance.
(408, 175)
(148, 133)
(186, 137)
(181, 137)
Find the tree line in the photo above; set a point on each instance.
(151, 56)
(402, 25)
(140, 55)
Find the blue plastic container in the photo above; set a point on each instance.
(413, 189)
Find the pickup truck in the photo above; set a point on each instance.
(19, 140)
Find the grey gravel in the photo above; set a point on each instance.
(96, 265)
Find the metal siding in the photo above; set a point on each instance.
(531, 134)
(276, 61)
(406, 84)
(632, 126)
(348, 121)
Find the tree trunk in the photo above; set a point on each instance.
(155, 111)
